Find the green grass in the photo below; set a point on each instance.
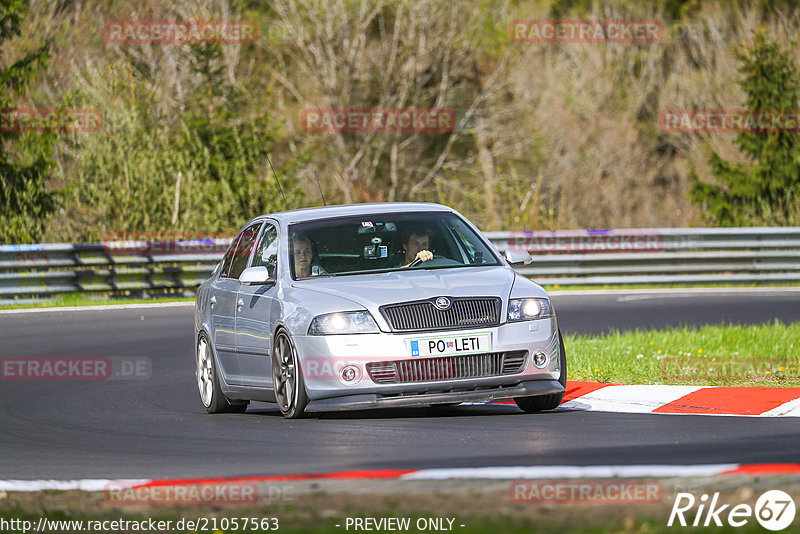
(761, 355)
(310, 516)
(80, 299)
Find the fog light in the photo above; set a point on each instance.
(540, 359)
(349, 373)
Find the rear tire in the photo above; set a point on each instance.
(553, 400)
(211, 393)
(287, 378)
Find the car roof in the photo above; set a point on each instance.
(345, 210)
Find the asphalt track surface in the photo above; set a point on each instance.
(157, 428)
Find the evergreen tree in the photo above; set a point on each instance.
(766, 190)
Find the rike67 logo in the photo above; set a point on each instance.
(774, 510)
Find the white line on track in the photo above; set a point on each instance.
(489, 472)
(103, 307)
(677, 291)
(90, 484)
(571, 471)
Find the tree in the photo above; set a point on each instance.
(196, 168)
(25, 158)
(399, 55)
(768, 188)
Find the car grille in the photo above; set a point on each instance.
(447, 368)
(462, 313)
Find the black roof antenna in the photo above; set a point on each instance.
(320, 188)
(286, 204)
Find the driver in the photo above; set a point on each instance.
(415, 246)
(304, 256)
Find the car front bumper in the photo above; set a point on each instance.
(373, 400)
(322, 359)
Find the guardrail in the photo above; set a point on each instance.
(658, 255)
(36, 272)
(563, 257)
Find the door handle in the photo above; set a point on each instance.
(213, 300)
(239, 303)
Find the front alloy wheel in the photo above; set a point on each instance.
(287, 378)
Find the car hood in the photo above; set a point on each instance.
(377, 289)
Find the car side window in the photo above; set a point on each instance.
(226, 261)
(267, 251)
(242, 251)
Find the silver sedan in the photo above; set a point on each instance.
(373, 305)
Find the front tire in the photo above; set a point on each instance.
(208, 382)
(287, 378)
(553, 400)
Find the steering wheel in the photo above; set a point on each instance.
(417, 261)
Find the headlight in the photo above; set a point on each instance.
(359, 322)
(528, 309)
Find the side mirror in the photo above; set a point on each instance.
(518, 256)
(254, 275)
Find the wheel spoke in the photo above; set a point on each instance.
(289, 393)
(204, 372)
(283, 373)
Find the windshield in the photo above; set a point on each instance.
(385, 242)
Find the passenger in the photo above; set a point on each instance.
(304, 257)
(415, 246)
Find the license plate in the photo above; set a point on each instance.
(450, 345)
